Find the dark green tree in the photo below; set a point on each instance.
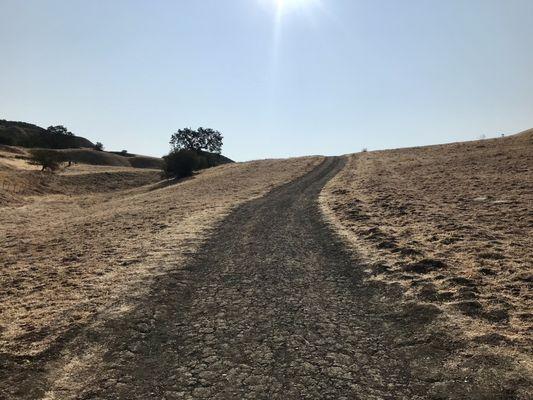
(212, 139)
(181, 163)
(202, 139)
(47, 159)
(59, 130)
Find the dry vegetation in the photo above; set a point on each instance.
(452, 225)
(20, 180)
(67, 258)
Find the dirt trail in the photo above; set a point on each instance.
(272, 306)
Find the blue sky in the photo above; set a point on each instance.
(329, 77)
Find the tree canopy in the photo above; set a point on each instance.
(59, 130)
(47, 159)
(197, 140)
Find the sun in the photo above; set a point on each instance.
(284, 6)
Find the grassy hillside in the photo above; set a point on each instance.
(450, 226)
(16, 136)
(85, 156)
(450, 223)
(94, 172)
(72, 257)
(23, 134)
(95, 157)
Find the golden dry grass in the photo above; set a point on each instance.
(452, 224)
(19, 179)
(67, 258)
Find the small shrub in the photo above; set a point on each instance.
(181, 163)
(99, 146)
(47, 159)
(364, 150)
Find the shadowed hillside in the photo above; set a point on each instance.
(15, 133)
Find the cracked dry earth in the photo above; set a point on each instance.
(272, 306)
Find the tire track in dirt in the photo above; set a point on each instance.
(272, 306)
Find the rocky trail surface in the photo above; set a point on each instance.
(272, 306)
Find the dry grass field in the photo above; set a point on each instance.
(80, 243)
(452, 225)
(433, 301)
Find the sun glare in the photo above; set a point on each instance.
(283, 6)
(281, 10)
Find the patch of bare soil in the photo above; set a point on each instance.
(65, 259)
(450, 225)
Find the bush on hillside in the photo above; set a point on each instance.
(47, 159)
(99, 146)
(182, 163)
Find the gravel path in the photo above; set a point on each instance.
(266, 310)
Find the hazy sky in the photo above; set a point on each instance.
(318, 77)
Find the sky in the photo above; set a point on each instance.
(277, 78)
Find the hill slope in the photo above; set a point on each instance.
(23, 134)
(84, 250)
(15, 134)
(93, 172)
(110, 295)
(95, 157)
(87, 156)
(449, 225)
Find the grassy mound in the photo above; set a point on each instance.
(23, 134)
(94, 157)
